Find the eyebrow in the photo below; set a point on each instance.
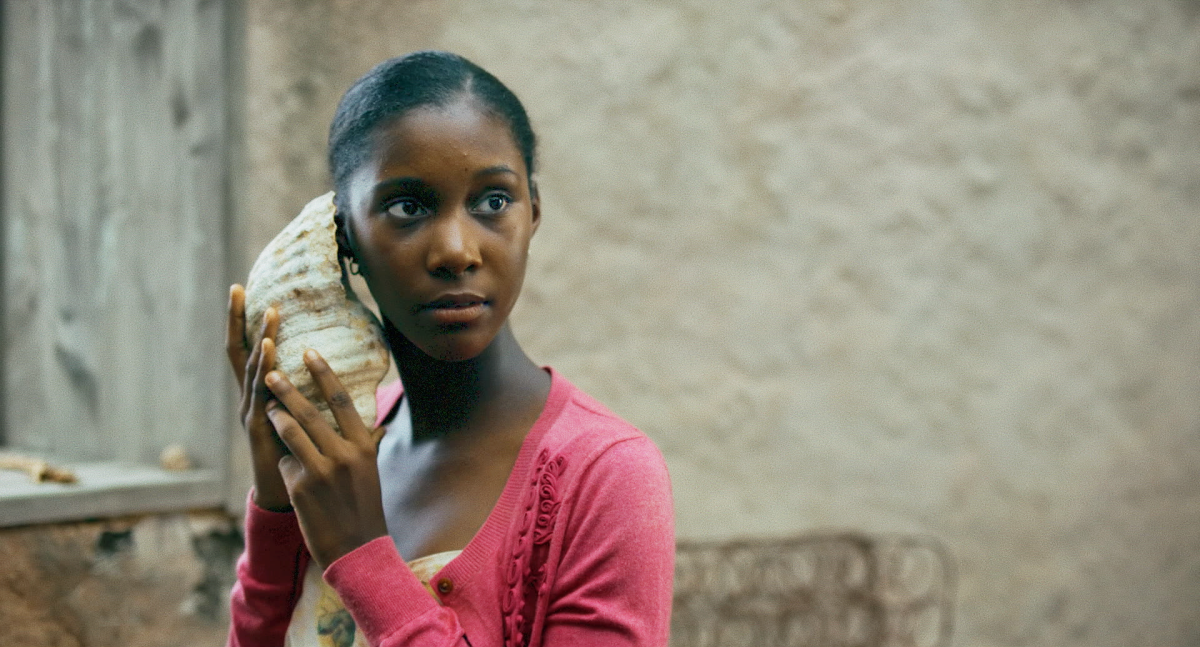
(412, 183)
(494, 170)
(407, 183)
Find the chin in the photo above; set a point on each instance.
(453, 356)
(453, 350)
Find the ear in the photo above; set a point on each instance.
(341, 234)
(535, 204)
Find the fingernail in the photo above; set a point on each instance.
(311, 355)
(272, 378)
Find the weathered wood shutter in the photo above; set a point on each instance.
(114, 213)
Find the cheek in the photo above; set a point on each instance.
(514, 261)
(386, 277)
(382, 254)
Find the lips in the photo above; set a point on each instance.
(451, 309)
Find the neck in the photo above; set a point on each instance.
(453, 397)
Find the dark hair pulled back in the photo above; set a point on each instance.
(402, 84)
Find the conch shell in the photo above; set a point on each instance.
(299, 274)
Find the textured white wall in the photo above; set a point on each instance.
(927, 267)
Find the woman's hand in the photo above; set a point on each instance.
(251, 369)
(332, 479)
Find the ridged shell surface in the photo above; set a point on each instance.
(298, 273)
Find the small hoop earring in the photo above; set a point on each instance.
(354, 269)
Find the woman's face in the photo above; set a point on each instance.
(440, 220)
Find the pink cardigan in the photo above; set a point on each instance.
(579, 550)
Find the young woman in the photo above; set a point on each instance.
(503, 506)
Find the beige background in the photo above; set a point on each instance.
(920, 267)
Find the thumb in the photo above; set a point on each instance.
(291, 470)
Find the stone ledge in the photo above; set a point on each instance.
(107, 489)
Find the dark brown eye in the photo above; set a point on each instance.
(493, 203)
(406, 208)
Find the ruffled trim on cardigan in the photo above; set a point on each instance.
(526, 576)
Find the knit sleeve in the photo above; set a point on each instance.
(613, 581)
(268, 578)
(388, 602)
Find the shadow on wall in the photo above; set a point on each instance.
(848, 590)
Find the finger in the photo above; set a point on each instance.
(340, 402)
(268, 330)
(290, 469)
(294, 436)
(251, 380)
(259, 394)
(270, 323)
(377, 435)
(235, 332)
(303, 412)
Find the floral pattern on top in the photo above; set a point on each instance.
(321, 620)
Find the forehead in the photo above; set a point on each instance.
(431, 138)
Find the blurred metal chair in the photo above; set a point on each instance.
(827, 590)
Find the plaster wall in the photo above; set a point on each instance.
(924, 267)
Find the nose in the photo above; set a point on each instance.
(453, 246)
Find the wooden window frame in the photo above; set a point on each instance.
(119, 475)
